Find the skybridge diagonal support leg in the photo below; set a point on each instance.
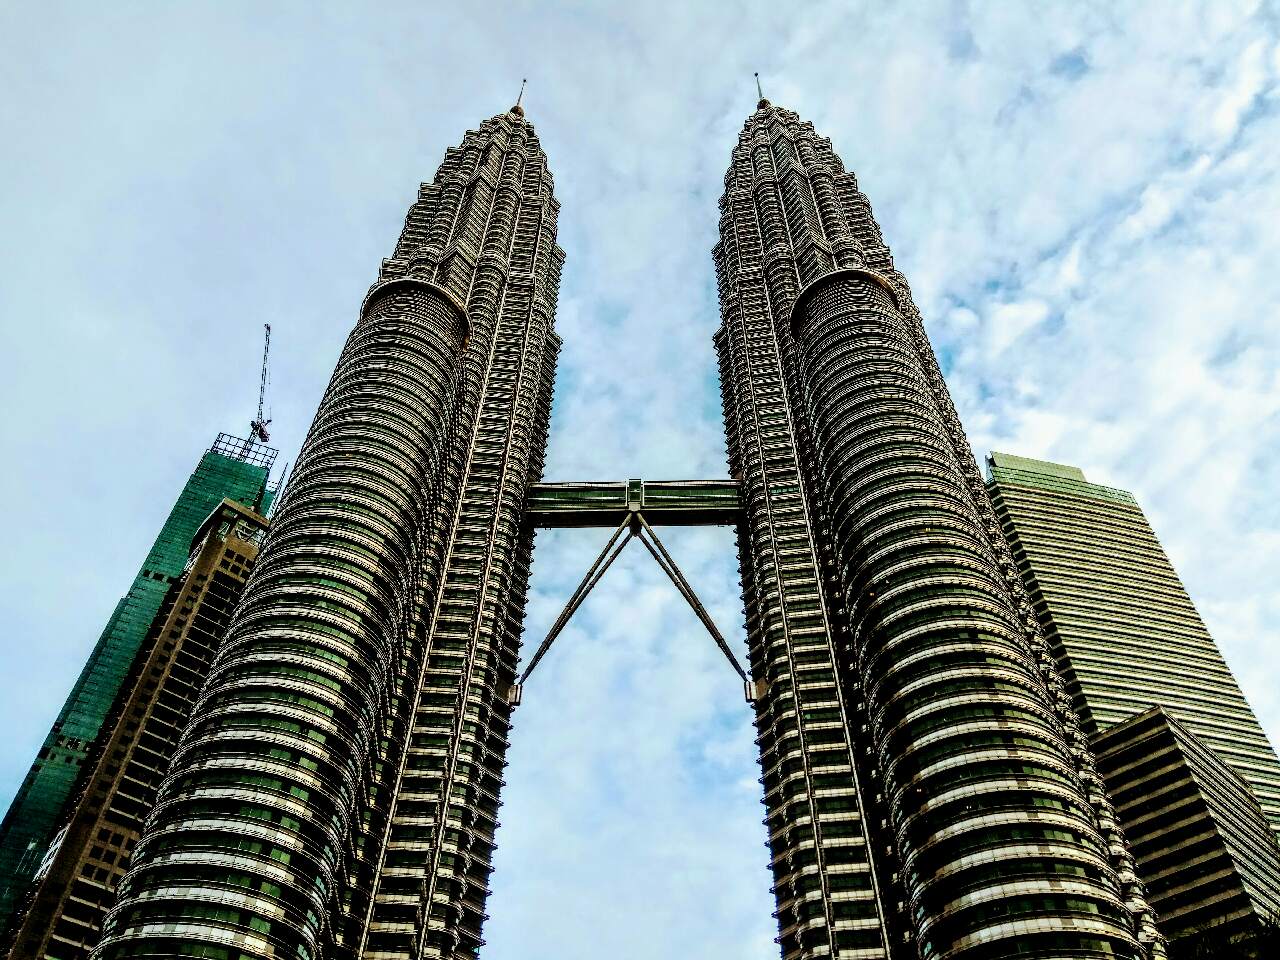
(592, 577)
(669, 567)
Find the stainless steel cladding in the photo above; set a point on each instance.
(335, 793)
(988, 831)
(254, 828)
(930, 793)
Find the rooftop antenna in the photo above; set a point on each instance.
(759, 92)
(258, 428)
(523, 81)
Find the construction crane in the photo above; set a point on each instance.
(258, 428)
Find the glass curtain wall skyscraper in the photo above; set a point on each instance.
(76, 882)
(231, 468)
(1119, 619)
(929, 791)
(1194, 778)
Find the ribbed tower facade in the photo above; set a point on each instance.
(929, 790)
(335, 792)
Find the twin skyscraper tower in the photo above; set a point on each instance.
(930, 790)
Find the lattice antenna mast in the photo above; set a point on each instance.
(258, 428)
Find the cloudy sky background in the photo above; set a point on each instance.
(1084, 197)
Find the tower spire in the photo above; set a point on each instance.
(760, 93)
(517, 109)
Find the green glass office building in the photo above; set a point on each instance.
(231, 468)
(1195, 781)
(1120, 621)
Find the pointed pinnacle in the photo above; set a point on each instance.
(518, 110)
(763, 102)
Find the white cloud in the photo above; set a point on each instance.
(1248, 75)
(1007, 322)
(1160, 201)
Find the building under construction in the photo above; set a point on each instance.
(75, 884)
(232, 469)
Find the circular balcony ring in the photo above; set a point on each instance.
(848, 273)
(401, 284)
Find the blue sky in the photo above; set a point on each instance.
(1084, 197)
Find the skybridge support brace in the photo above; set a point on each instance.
(589, 505)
